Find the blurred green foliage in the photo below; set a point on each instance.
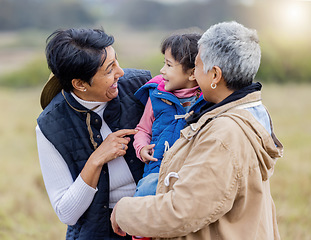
(284, 39)
(285, 61)
(285, 46)
(279, 64)
(152, 63)
(35, 73)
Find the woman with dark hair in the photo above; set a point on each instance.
(214, 181)
(85, 131)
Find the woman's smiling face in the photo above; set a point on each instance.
(104, 86)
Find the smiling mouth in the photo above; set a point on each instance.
(115, 85)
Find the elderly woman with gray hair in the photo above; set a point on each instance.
(214, 181)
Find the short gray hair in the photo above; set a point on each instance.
(233, 48)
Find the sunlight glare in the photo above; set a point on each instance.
(293, 16)
(293, 13)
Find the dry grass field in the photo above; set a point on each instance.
(25, 211)
(290, 107)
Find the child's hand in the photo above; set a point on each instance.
(146, 154)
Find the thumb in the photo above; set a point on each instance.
(150, 146)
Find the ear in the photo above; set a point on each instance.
(78, 84)
(191, 74)
(217, 74)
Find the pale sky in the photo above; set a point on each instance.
(179, 1)
(247, 2)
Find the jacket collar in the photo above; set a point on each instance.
(233, 97)
(252, 98)
(78, 108)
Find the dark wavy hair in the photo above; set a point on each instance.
(184, 48)
(76, 53)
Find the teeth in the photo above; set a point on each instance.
(114, 85)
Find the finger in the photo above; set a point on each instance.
(123, 140)
(148, 158)
(145, 161)
(121, 152)
(123, 146)
(120, 232)
(124, 132)
(115, 226)
(151, 146)
(127, 138)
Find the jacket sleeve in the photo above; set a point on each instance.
(69, 199)
(205, 190)
(143, 137)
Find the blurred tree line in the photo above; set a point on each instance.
(284, 57)
(20, 14)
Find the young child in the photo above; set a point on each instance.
(169, 98)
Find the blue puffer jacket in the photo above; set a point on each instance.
(169, 118)
(66, 129)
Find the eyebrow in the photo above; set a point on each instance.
(168, 61)
(110, 65)
(111, 62)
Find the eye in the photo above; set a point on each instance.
(110, 71)
(167, 63)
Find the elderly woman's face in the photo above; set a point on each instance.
(104, 86)
(204, 79)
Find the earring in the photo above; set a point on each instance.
(213, 85)
(84, 90)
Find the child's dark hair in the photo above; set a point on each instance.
(184, 48)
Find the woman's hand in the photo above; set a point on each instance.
(146, 153)
(115, 145)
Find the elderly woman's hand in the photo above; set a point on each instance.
(114, 223)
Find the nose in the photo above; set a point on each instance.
(120, 71)
(162, 70)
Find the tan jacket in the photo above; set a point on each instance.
(213, 183)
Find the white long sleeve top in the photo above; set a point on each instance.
(71, 198)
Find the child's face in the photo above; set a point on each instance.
(175, 77)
